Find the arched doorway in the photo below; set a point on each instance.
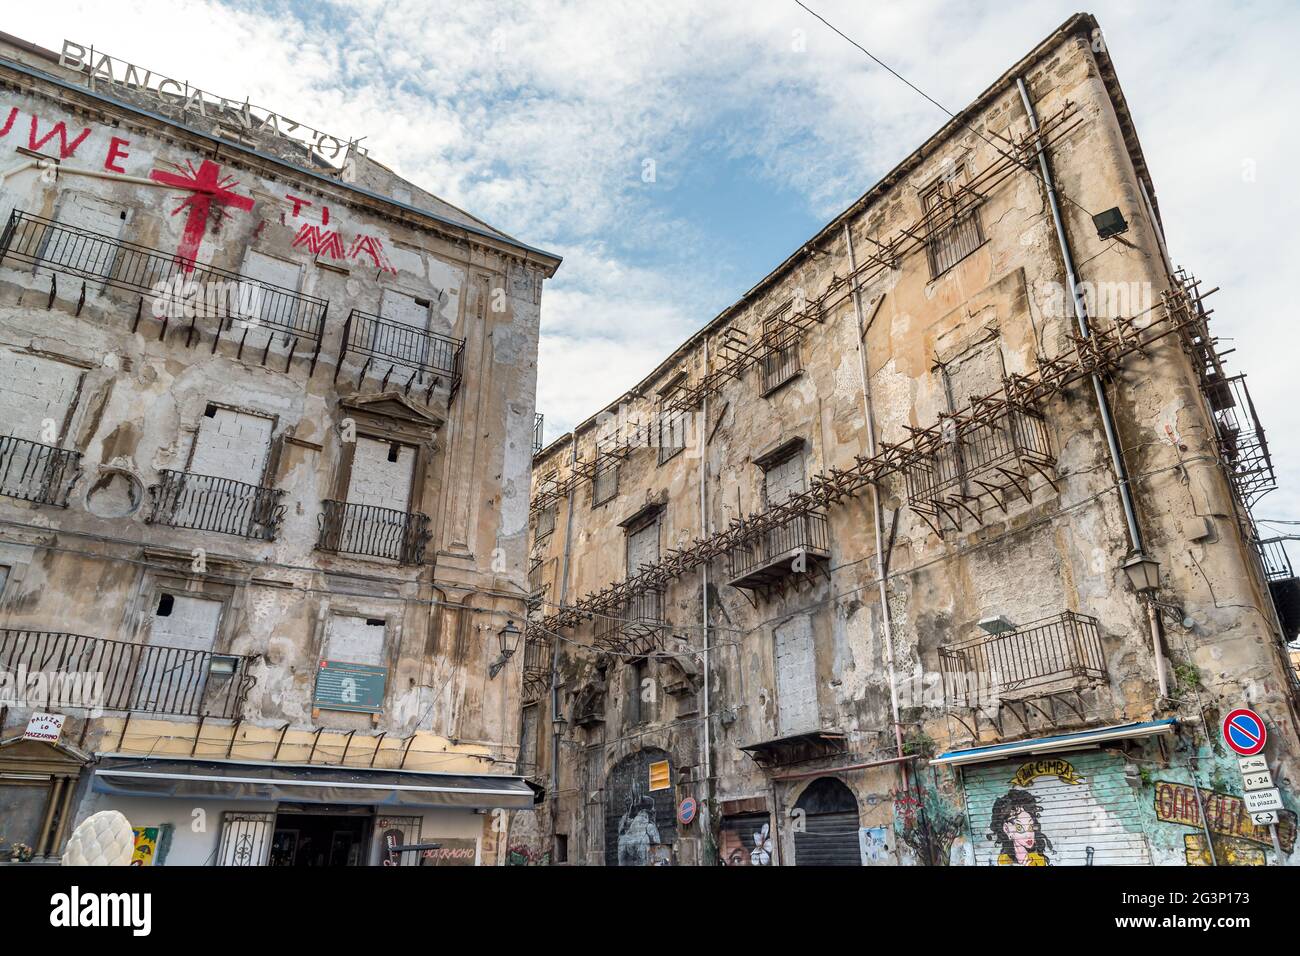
(826, 832)
(640, 814)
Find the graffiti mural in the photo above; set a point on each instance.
(1237, 840)
(640, 823)
(1055, 812)
(746, 840)
(930, 825)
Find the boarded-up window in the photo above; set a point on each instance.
(977, 371)
(268, 305)
(796, 683)
(528, 740)
(4, 578)
(180, 620)
(173, 675)
(545, 523)
(642, 546)
(89, 255)
(780, 361)
(231, 444)
(605, 485)
(672, 433)
(783, 479)
(37, 396)
(355, 640)
(382, 474)
(410, 343)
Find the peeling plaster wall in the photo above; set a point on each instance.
(1057, 549)
(136, 390)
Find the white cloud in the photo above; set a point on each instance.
(537, 116)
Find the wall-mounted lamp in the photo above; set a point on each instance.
(509, 637)
(1143, 572)
(1110, 223)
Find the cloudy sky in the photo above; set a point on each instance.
(759, 125)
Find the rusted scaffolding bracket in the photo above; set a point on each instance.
(1020, 393)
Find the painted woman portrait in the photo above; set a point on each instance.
(1015, 826)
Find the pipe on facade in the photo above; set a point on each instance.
(553, 793)
(877, 511)
(1103, 404)
(705, 815)
(1081, 318)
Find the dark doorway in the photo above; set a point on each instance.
(320, 839)
(828, 825)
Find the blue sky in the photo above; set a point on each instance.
(761, 124)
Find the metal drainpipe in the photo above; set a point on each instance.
(1103, 404)
(878, 512)
(705, 816)
(1081, 317)
(555, 648)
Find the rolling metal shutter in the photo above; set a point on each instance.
(1086, 812)
(830, 826)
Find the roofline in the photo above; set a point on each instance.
(549, 259)
(1079, 23)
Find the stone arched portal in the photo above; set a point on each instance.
(826, 825)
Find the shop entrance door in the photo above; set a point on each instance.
(312, 837)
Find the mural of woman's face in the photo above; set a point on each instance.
(1020, 831)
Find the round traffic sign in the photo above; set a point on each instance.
(686, 811)
(1243, 731)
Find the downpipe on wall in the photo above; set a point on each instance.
(1103, 404)
(877, 511)
(705, 804)
(556, 726)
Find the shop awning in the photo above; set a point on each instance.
(299, 783)
(1080, 741)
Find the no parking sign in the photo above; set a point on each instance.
(1244, 732)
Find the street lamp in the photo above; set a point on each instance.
(508, 637)
(1143, 573)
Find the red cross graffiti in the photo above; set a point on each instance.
(208, 187)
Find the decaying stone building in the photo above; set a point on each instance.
(265, 425)
(935, 548)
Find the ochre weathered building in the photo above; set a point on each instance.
(935, 548)
(266, 414)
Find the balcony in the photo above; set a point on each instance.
(204, 503)
(39, 473)
(994, 457)
(95, 673)
(428, 357)
(637, 628)
(537, 667)
(375, 532)
(1027, 672)
(537, 432)
(772, 559)
(1242, 445)
(234, 301)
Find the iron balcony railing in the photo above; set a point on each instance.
(207, 291)
(1277, 563)
(537, 432)
(771, 555)
(537, 667)
(347, 528)
(1054, 651)
(35, 472)
(95, 673)
(204, 503)
(636, 628)
(429, 356)
(1242, 445)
